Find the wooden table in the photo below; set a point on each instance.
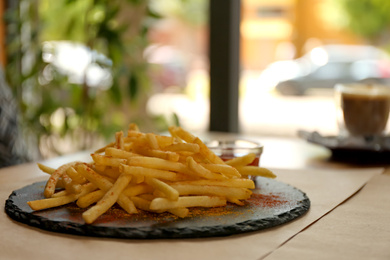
(348, 218)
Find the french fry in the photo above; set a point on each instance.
(102, 149)
(241, 161)
(234, 183)
(59, 201)
(108, 199)
(137, 189)
(141, 203)
(118, 153)
(156, 163)
(226, 170)
(109, 172)
(90, 198)
(147, 172)
(46, 169)
(49, 170)
(202, 172)
(207, 153)
(227, 192)
(75, 176)
(133, 127)
(119, 142)
(167, 190)
(54, 177)
(180, 212)
(167, 155)
(255, 171)
(164, 141)
(152, 140)
(70, 185)
(181, 134)
(183, 147)
(186, 202)
(104, 184)
(106, 160)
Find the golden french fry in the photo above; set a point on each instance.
(75, 176)
(242, 160)
(255, 171)
(227, 192)
(95, 178)
(70, 185)
(108, 199)
(54, 177)
(234, 183)
(137, 179)
(141, 203)
(45, 168)
(118, 153)
(100, 168)
(137, 189)
(224, 169)
(202, 172)
(147, 172)
(104, 184)
(135, 136)
(102, 149)
(90, 198)
(119, 142)
(156, 163)
(112, 173)
(164, 141)
(127, 204)
(59, 201)
(133, 127)
(49, 170)
(187, 202)
(182, 134)
(152, 140)
(183, 147)
(167, 155)
(207, 153)
(60, 194)
(106, 160)
(235, 201)
(167, 190)
(180, 212)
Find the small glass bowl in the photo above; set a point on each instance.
(229, 149)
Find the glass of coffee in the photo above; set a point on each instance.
(362, 109)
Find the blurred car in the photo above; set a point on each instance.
(325, 66)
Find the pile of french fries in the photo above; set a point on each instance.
(149, 172)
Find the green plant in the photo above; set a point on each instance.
(368, 19)
(53, 108)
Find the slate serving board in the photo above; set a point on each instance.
(273, 203)
(356, 151)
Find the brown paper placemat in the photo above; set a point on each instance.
(357, 229)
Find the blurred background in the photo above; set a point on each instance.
(76, 71)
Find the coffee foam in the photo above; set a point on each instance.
(364, 90)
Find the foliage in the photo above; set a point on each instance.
(369, 19)
(192, 12)
(53, 106)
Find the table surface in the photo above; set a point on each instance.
(347, 219)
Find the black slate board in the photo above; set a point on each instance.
(356, 151)
(272, 204)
